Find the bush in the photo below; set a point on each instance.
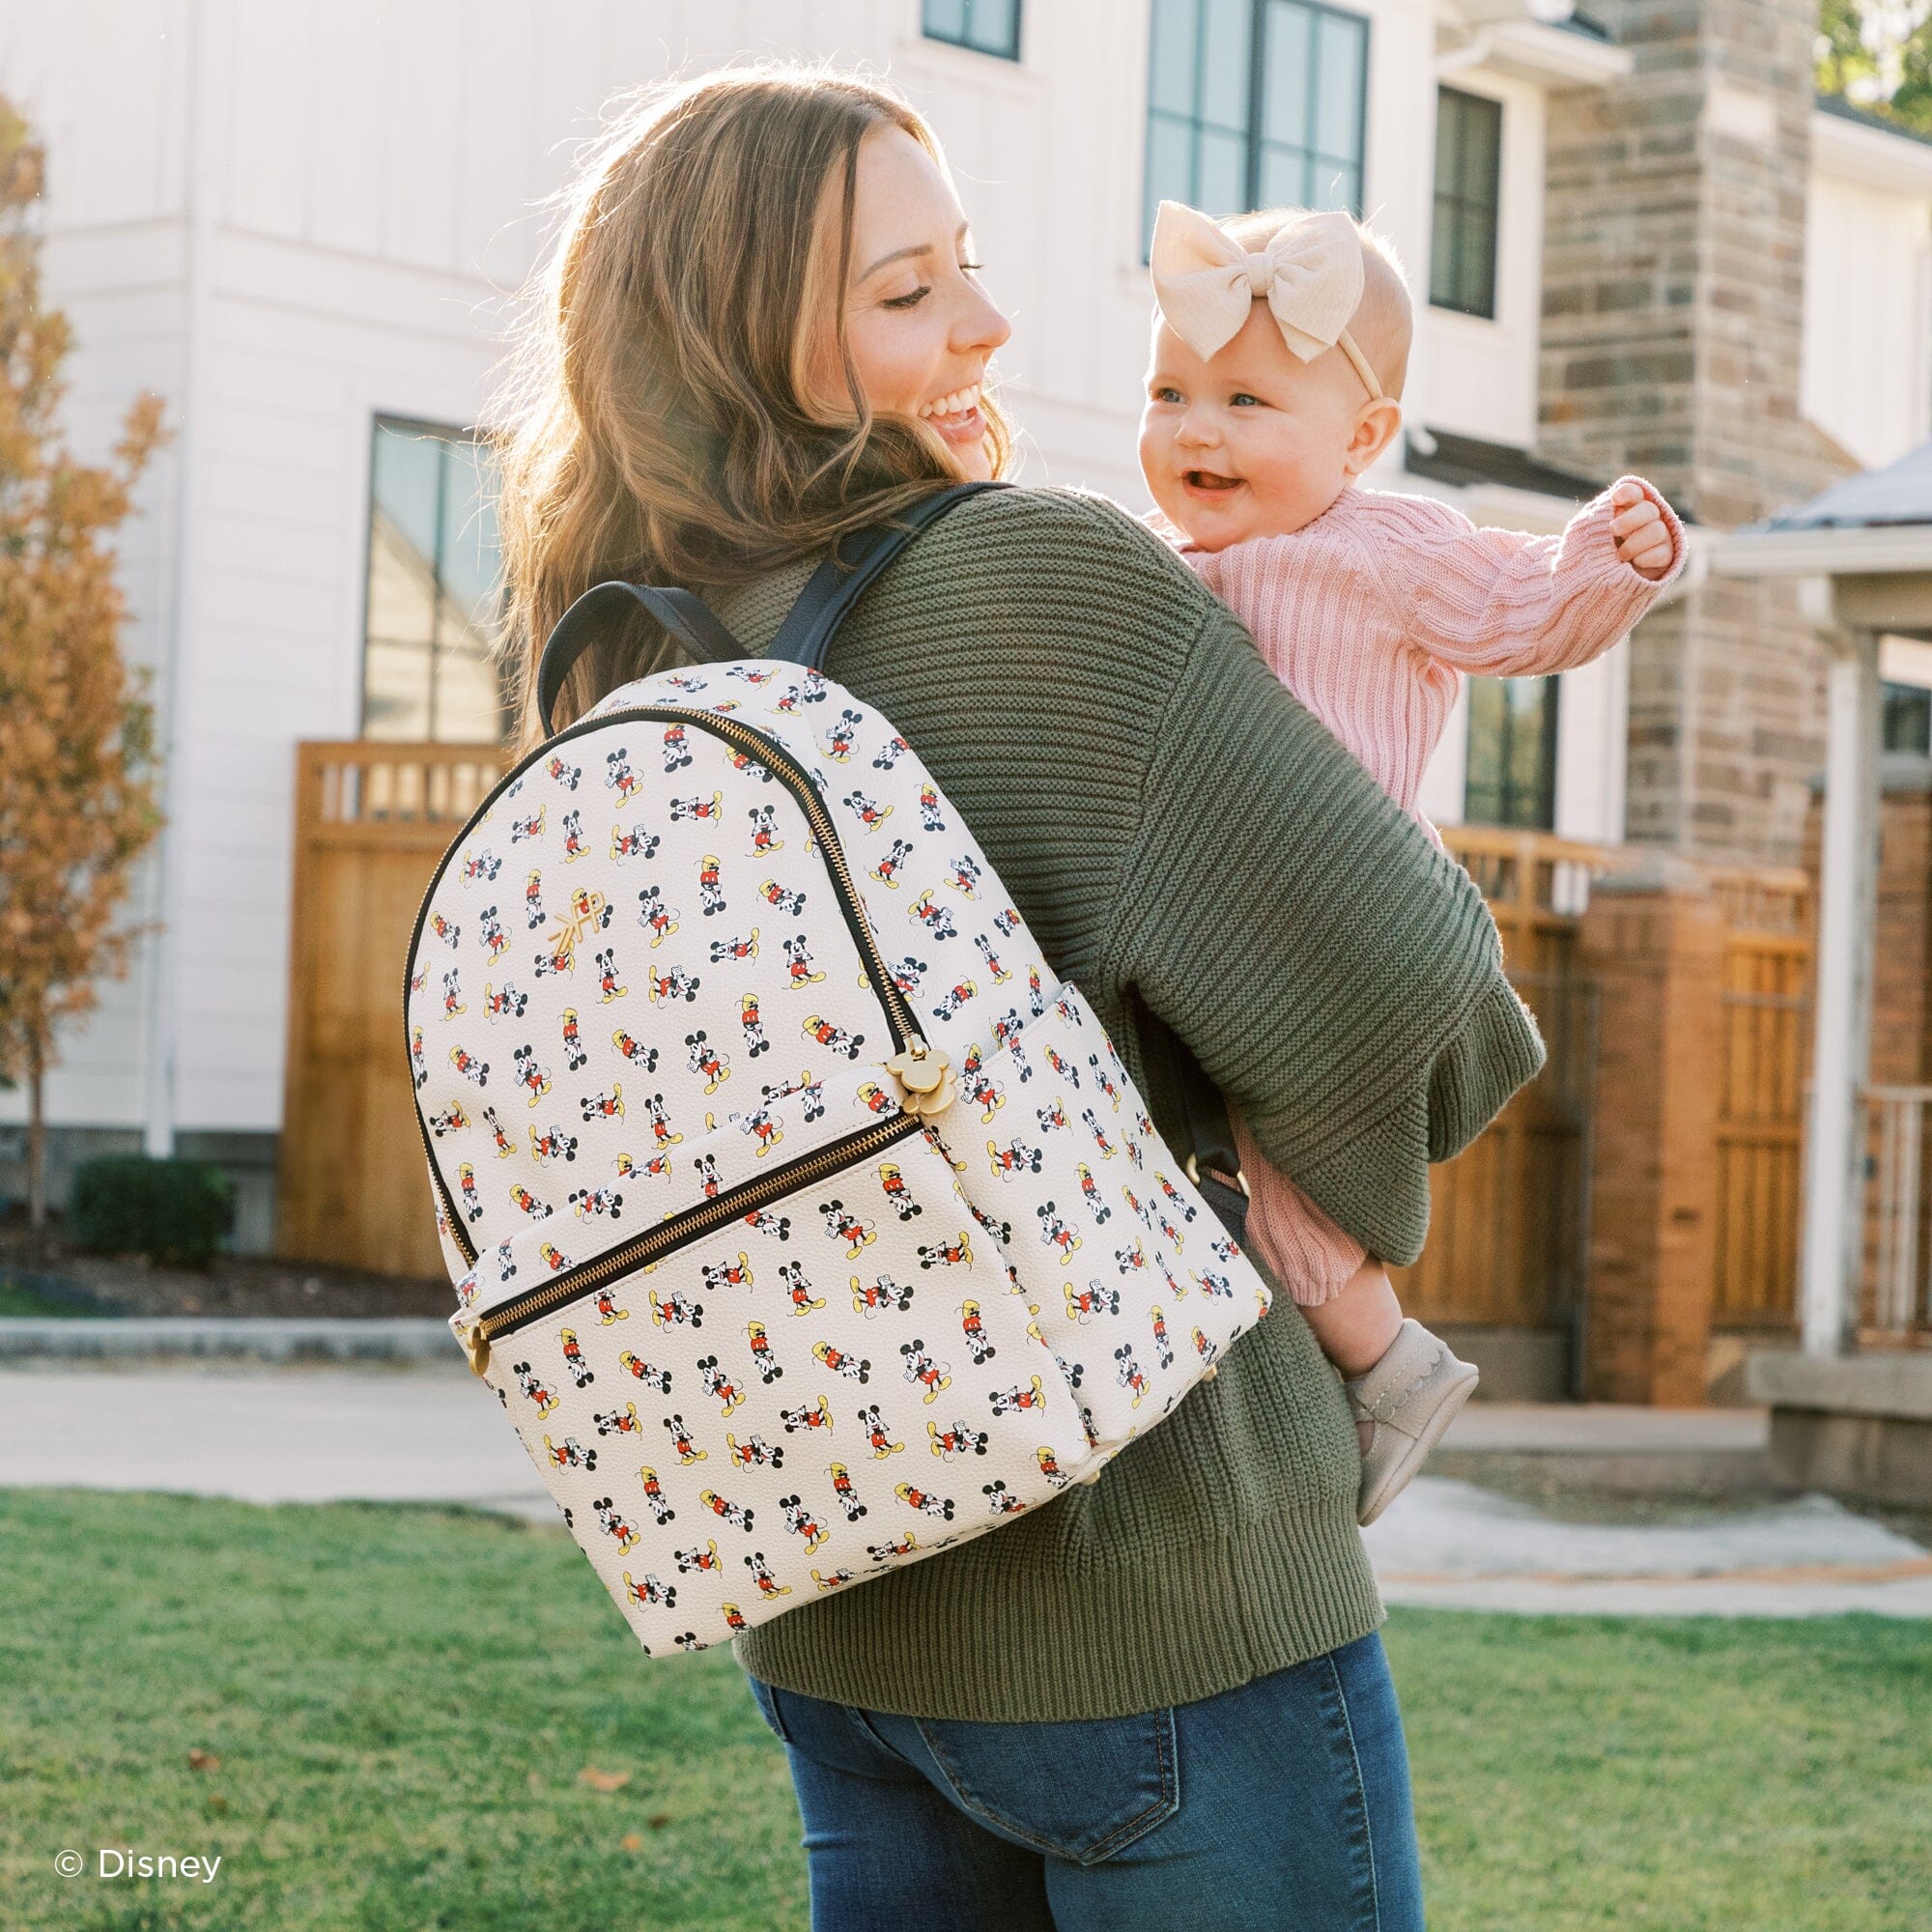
(170, 1210)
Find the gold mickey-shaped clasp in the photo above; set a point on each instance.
(926, 1080)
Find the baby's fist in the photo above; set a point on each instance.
(1643, 538)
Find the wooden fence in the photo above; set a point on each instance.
(371, 821)
(1768, 916)
(1510, 1217)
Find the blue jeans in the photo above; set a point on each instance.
(1282, 1804)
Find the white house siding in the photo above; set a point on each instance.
(1867, 349)
(287, 218)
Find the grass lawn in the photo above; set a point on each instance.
(18, 1298)
(398, 1703)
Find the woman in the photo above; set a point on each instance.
(1159, 1701)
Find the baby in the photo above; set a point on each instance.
(1279, 350)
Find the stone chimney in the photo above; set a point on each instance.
(1674, 303)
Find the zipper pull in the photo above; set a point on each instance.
(926, 1080)
(476, 1346)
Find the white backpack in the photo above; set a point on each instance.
(803, 1221)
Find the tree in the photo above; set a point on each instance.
(78, 801)
(1877, 55)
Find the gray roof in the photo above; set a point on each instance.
(1901, 493)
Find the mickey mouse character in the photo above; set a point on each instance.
(573, 1357)
(798, 1290)
(657, 919)
(676, 1308)
(1055, 1231)
(755, 1452)
(806, 1416)
(921, 1368)
(569, 1454)
(719, 1384)
(915, 1497)
(1010, 1401)
(956, 1253)
(688, 1451)
(891, 1180)
(704, 1059)
(841, 1225)
(800, 1522)
(635, 844)
(535, 1388)
(634, 1051)
(612, 1524)
(878, 1437)
(654, 1496)
(853, 1368)
(958, 1440)
(636, 1365)
(761, 1574)
(869, 1298)
(650, 1593)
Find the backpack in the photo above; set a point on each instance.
(802, 1219)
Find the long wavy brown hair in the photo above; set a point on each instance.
(657, 422)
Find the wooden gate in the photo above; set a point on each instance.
(1760, 1118)
(1509, 1216)
(1508, 1223)
(371, 822)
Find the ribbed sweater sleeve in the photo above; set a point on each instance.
(1336, 963)
(1503, 604)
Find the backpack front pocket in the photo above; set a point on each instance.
(814, 1374)
(1131, 1278)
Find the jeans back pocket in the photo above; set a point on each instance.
(1082, 1790)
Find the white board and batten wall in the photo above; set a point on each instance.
(291, 219)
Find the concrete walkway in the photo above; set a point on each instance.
(430, 1431)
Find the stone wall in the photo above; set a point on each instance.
(1673, 305)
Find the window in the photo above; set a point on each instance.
(1468, 199)
(986, 26)
(1907, 718)
(1512, 764)
(1255, 103)
(427, 669)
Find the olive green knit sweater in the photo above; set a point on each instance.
(1195, 851)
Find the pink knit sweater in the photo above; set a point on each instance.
(1370, 614)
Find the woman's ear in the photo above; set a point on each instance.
(1376, 425)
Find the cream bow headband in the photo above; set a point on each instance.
(1310, 275)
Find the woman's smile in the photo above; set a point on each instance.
(956, 416)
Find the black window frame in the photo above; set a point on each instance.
(1253, 130)
(382, 420)
(1516, 809)
(1448, 238)
(1007, 50)
(1905, 714)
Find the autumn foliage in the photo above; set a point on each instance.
(77, 802)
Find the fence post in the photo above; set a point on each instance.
(1654, 941)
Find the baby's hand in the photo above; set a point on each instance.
(1643, 537)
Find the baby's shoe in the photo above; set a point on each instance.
(1410, 1396)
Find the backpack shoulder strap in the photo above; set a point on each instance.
(845, 576)
(685, 615)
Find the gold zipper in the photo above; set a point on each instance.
(733, 1204)
(929, 1088)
